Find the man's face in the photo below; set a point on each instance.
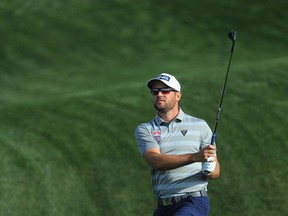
(165, 101)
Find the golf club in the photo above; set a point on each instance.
(231, 36)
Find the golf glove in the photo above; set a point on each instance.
(208, 166)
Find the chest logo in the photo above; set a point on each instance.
(184, 132)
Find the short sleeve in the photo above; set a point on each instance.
(206, 135)
(144, 138)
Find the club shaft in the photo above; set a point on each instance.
(222, 96)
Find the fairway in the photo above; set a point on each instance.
(73, 88)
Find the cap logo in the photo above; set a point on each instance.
(164, 77)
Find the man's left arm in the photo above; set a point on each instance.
(216, 173)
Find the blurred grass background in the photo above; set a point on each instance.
(72, 83)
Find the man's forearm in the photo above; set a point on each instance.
(162, 162)
(165, 162)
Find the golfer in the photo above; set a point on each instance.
(177, 148)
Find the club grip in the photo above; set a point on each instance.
(213, 138)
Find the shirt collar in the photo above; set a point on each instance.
(179, 117)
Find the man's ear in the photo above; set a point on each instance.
(178, 95)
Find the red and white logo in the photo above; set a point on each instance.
(157, 135)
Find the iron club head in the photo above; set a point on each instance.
(232, 35)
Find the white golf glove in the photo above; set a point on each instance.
(208, 166)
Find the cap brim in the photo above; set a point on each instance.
(150, 82)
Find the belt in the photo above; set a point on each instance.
(176, 199)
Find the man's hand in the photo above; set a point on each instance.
(205, 153)
(209, 166)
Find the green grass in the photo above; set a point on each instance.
(72, 83)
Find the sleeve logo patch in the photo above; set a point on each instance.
(157, 135)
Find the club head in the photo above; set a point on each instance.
(232, 35)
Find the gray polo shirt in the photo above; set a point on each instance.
(185, 134)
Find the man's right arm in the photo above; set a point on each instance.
(166, 162)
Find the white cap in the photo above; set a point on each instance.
(167, 79)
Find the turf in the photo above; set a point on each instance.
(72, 83)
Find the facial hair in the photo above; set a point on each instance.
(164, 108)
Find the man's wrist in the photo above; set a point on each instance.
(193, 158)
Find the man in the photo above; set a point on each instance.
(177, 147)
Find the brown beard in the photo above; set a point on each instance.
(161, 110)
(164, 109)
